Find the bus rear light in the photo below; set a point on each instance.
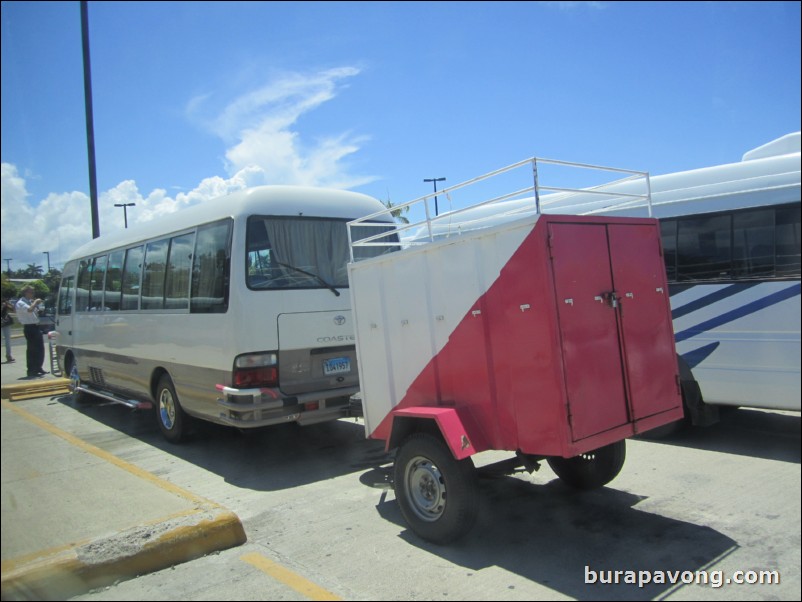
(256, 370)
(266, 376)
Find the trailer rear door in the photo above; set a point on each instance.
(612, 316)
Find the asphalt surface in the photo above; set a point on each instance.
(75, 517)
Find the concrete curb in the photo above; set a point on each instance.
(60, 574)
(194, 527)
(35, 388)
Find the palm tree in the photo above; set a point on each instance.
(33, 271)
(396, 213)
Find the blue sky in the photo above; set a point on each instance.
(193, 100)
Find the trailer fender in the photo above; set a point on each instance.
(444, 421)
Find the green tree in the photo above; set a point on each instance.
(9, 289)
(31, 271)
(398, 213)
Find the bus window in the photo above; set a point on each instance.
(153, 276)
(65, 296)
(176, 286)
(82, 285)
(753, 243)
(98, 273)
(788, 221)
(668, 233)
(114, 281)
(132, 275)
(210, 268)
(704, 249)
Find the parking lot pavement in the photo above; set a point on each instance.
(76, 517)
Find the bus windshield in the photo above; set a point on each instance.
(298, 252)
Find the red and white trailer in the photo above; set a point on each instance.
(545, 335)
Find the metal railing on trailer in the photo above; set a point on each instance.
(633, 191)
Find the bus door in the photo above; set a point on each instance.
(65, 310)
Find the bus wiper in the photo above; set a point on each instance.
(315, 276)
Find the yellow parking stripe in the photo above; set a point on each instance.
(287, 577)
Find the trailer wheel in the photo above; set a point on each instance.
(437, 494)
(592, 469)
(173, 421)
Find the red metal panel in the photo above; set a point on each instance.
(588, 324)
(650, 357)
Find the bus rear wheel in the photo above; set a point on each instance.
(173, 421)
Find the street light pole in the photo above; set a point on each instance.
(48, 260)
(125, 207)
(435, 181)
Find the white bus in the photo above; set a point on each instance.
(731, 241)
(230, 311)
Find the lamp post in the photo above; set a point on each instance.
(125, 207)
(48, 260)
(435, 181)
(8, 261)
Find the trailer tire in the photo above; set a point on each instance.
(437, 493)
(593, 469)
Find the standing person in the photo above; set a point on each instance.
(27, 314)
(7, 322)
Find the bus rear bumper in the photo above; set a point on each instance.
(253, 408)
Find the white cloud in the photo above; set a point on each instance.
(260, 128)
(264, 146)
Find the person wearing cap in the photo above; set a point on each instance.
(28, 315)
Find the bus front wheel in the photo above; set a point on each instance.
(173, 421)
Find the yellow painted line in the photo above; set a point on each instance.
(287, 577)
(96, 451)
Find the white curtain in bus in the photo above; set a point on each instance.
(317, 246)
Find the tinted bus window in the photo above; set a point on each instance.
(176, 286)
(132, 274)
(153, 275)
(704, 248)
(753, 243)
(114, 284)
(98, 274)
(82, 285)
(210, 268)
(668, 234)
(788, 220)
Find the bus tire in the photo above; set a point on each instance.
(592, 469)
(437, 494)
(71, 366)
(173, 421)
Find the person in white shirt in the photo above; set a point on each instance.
(27, 314)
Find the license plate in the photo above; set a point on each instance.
(337, 365)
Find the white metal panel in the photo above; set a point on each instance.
(428, 290)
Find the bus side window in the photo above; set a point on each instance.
(114, 285)
(98, 272)
(153, 276)
(210, 268)
(132, 276)
(176, 286)
(753, 243)
(82, 285)
(704, 248)
(668, 234)
(65, 296)
(788, 255)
